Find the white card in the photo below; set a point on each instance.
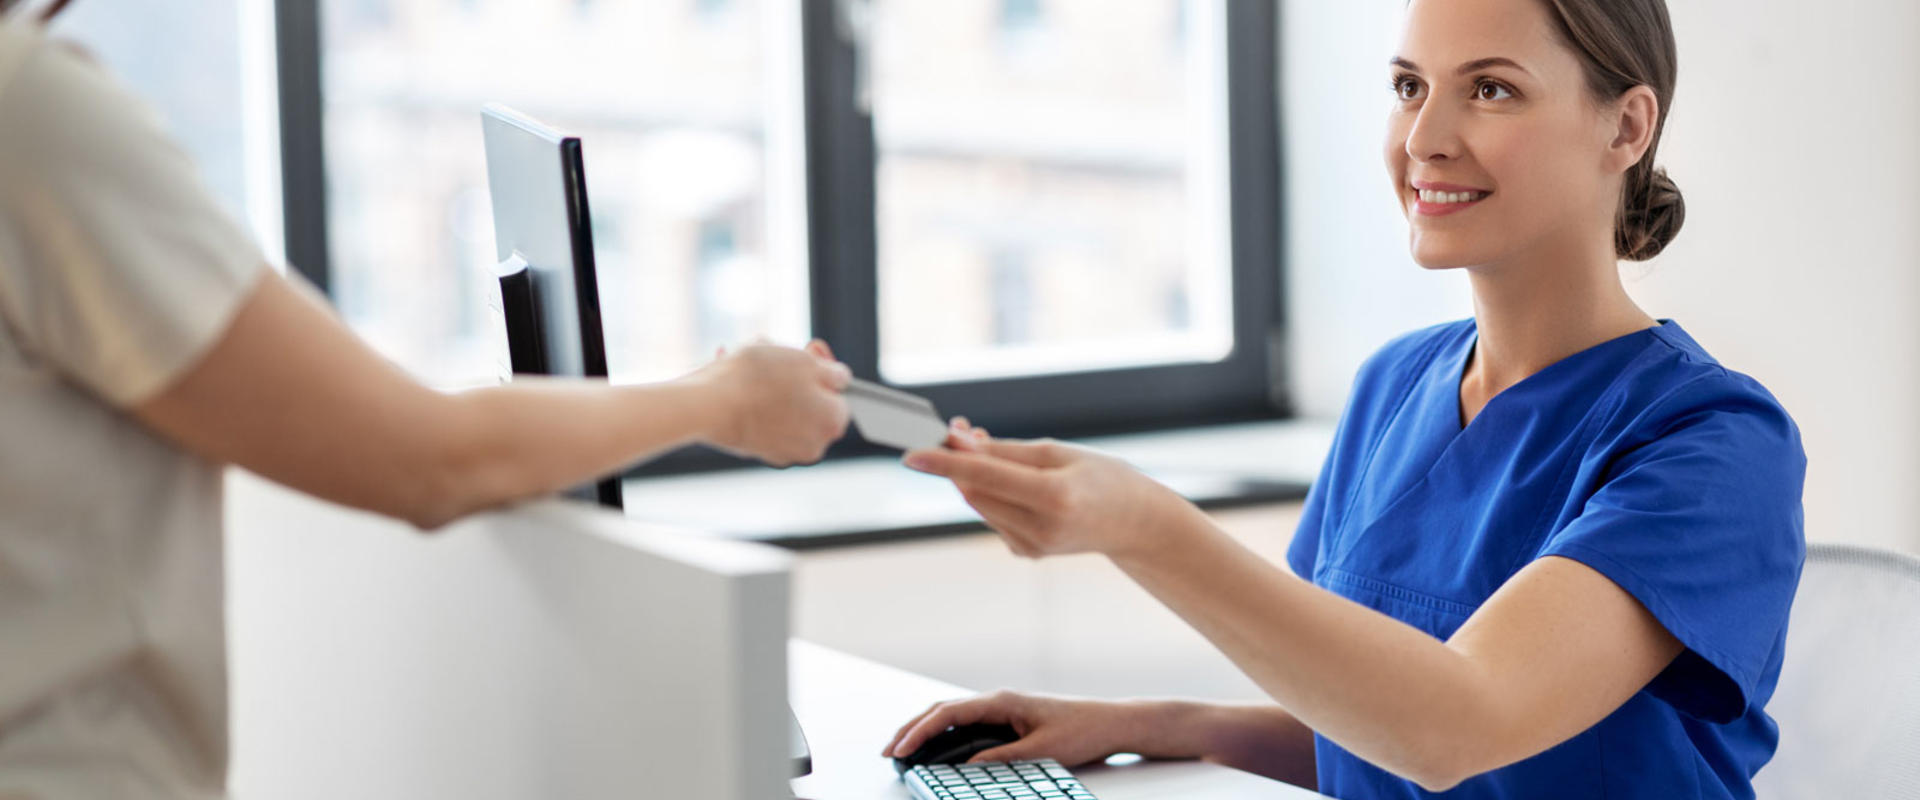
(894, 418)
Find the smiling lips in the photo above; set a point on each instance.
(1441, 199)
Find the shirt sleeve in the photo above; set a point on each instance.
(1701, 522)
(1304, 551)
(117, 267)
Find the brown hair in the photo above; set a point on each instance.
(1623, 44)
(53, 8)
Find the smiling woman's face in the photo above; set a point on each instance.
(1496, 148)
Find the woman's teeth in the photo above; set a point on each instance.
(1430, 196)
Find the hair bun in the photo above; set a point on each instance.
(1651, 215)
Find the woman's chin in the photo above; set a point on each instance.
(1439, 258)
(1443, 249)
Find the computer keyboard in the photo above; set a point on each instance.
(1040, 779)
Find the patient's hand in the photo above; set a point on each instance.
(778, 404)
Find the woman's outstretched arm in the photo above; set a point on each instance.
(1554, 651)
(290, 393)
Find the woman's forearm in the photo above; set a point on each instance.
(1262, 739)
(533, 437)
(1383, 690)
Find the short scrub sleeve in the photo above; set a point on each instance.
(117, 267)
(1701, 522)
(1304, 551)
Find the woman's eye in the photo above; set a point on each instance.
(1406, 88)
(1488, 90)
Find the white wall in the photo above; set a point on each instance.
(1794, 140)
(1350, 283)
(1795, 148)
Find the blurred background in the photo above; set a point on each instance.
(1045, 195)
(1086, 206)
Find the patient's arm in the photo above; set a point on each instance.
(290, 393)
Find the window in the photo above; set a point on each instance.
(1054, 206)
(204, 67)
(669, 99)
(1059, 217)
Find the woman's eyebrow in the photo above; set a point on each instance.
(1471, 66)
(1483, 63)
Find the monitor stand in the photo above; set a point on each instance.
(802, 756)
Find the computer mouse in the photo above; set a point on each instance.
(956, 745)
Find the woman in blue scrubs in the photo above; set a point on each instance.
(1553, 549)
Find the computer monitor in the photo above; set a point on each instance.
(549, 292)
(543, 238)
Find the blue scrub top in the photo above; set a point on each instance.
(1640, 457)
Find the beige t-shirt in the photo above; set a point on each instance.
(117, 272)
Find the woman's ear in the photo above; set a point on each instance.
(1637, 117)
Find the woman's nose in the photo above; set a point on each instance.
(1435, 134)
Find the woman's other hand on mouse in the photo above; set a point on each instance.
(1049, 498)
(1072, 731)
(778, 404)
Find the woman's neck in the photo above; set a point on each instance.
(1532, 315)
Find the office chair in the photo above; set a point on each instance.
(1848, 702)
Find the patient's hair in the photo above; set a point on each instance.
(1623, 44)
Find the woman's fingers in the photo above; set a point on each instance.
(961, 441)
(961, 435)
(947, 715)
(1038, 453)
(1016, 525)
(939, 718)
(1009, 480)
(899, 734)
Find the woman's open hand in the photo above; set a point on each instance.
(1072, 731)
(1050, 498)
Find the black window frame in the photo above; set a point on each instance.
(1249, 384)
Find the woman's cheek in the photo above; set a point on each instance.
(1394, 154)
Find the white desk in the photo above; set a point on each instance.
(850, 707)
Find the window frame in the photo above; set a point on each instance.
(303, 169)
(1249, 384)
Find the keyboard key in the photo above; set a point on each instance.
(1032, 779)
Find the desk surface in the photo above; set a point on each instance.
(850, 706)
